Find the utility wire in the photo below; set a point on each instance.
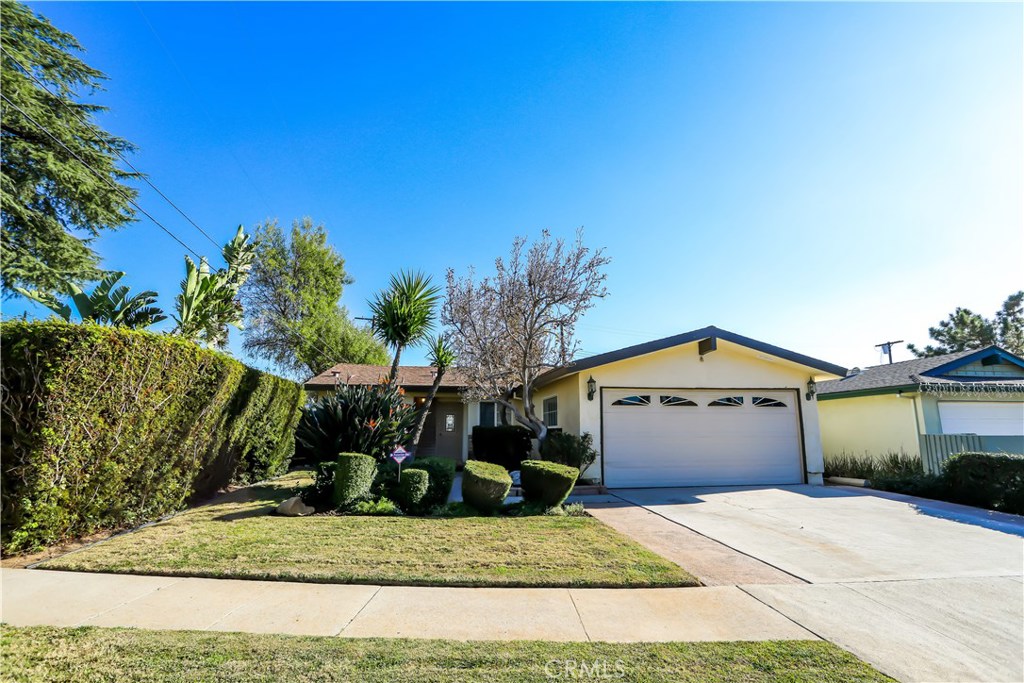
(78, 114)
(100, 175)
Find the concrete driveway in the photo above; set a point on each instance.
(924, 591)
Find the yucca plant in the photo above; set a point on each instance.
(355, 419)
(105, 305)
(404, 313)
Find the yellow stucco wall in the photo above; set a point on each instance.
(872, 425)
(567, 390)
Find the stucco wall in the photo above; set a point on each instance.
(567, 390)
(869, 425)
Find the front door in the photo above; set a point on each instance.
(448, 430)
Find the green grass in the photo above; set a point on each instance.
(97, 655)
(237, 537)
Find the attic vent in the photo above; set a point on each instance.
(853, 372)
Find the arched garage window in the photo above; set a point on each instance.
(764, 402)
(728, 401)
(644, 400)
(676, 401)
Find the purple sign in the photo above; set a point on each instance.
(399, 454)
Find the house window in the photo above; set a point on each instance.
(764, 402)
(676, 401)
(729, 401)
(487, 414)
(644, 400)
(551, 411)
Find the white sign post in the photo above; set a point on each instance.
(398, 455)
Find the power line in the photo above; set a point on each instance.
(100, 176)
(78, 114)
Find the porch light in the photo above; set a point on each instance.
(591, 388)
(812, 389)
(420, 401)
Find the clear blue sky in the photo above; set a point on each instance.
(819, 176)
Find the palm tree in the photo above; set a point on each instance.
(104, 305)
(403, 314)
(441, 356)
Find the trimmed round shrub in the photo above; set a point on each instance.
(548, 483)
(352, 478)
(442, 478)
(411, 490)
(485, 485)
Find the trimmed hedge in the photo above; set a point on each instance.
(505, 445)
(411, 490)
(442, 478)
(485, 485)
(352, 478)
(547, 483)
(989, 480)
(108, 427)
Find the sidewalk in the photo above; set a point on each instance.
(42, 597)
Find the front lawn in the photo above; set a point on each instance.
(93, 654)
(236, 537)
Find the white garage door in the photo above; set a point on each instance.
(986, 419)
(720, 437)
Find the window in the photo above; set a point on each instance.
(729, 401)
(551, 411)
(765, 402)
(487, 414)
(676, 401)
(633, 401)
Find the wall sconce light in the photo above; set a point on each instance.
(591, 388)
(812, 389)
(420, 401)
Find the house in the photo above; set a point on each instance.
(931, 407)
(703, 408)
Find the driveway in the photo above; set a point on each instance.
(925, 591)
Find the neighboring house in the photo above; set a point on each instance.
(931, 407)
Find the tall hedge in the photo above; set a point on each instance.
(107, 427)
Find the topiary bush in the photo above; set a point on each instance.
(442, 478)
(989, 480)
(505, 445)
(569, 449)
(547, 483)
(108, 427)
(355, 419)
(411, 490)
(485, 485)
(352, 479)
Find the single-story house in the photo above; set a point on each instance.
(930, 407)
(703, 408)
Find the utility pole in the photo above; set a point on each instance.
(887, 347)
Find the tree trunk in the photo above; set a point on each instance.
(422, 419)
(394, 366)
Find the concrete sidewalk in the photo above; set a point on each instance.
(42, 597)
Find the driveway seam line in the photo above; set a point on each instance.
(579, 616)
(714, 540)
(785, 616)
(368, 601)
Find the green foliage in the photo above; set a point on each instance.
(320, 493)
(292, 310)
(354, 419)
(574, 510)
(381, 507)
(109, 427)
(965, 330)
(569, 449)
(485, 485)
(442, 478)
(411, 490)
(989, 480)
(352, 479)
(104, 305)
(505, 445)
(207, 303)
(892, 464)
(404, 313)
(547, 483)
(51, 205)
(458, 509)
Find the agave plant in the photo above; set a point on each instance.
(355, 419)
(105, 305)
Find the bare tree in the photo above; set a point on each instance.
(509, 328)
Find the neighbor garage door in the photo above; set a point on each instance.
(983, 418)
(681, 437)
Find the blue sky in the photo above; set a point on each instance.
(823, 177)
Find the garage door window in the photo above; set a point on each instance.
(764, 402)
(676, 401)
(633, 401)
(728, 401)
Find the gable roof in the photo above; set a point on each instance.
(409, 376)
(688, 338)
(911, 374)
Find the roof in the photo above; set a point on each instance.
(409, 376)
(687, 338)
(911, 374)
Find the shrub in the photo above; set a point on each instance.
(921, 485)
(989, 480)
(569, 449)
(355, 419)
(107, 427)
(547, 483)
(411, 490)
(457, 509)
(574, 510)
(891, 465)
(381, 507)
(320, 494)
(442, 477)
(353, 478)
(485, 485)
(505, 445)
